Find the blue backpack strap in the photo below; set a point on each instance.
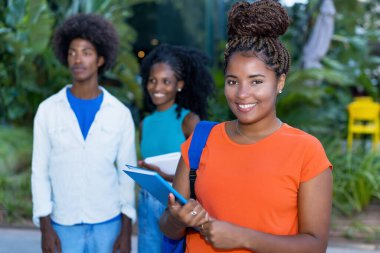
(201, 133)
(200, 136)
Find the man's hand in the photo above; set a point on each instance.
(49, 240)
(123, 241)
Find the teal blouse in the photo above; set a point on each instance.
(162, 132)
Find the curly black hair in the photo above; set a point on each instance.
(188, 65)
(94, 28)
(256, 27)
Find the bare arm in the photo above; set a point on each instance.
(314, 203)
(189, 123)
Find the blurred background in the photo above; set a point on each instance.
(335, 49)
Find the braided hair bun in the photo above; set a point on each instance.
(256, 28)
(265, 18)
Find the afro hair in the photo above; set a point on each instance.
(94, 28)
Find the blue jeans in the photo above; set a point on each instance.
(89, 238)
(149, 213)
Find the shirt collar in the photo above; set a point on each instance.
(107, 97)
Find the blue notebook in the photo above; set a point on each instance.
(154, 184)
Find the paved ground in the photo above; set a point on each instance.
(28, 241)
(14, 240)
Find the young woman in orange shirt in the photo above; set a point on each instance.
(262, 185)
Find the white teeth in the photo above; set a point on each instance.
(159, 95)
(246, 106)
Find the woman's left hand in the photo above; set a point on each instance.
(221, 234)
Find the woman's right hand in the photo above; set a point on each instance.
(192, 214)
(149, 166)
(157, 169)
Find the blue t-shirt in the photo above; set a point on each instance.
(85, 110)
(162, 132)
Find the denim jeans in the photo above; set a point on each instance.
(149, 213)
(89, 238)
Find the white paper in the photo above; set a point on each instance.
(167, 162)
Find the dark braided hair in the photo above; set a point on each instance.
(255, 28)
(188, 65)
(94, 28)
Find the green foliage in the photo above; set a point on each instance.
(15, 158)
(315, 99)
(218, 107)
(25, 32)
(357, 230)
(15, 197)
(356, 177)
(15, 149)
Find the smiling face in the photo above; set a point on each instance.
(83, 61)
(251, 89)
(162, 86)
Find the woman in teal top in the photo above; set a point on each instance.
(176, 86)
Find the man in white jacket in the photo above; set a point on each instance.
(83, 137)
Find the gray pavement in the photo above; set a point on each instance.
(16, 240)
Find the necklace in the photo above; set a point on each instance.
(238, 131)
(250, 138)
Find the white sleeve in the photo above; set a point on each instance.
(127, 155)
(41, 187)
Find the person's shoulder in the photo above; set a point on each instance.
(299, 135)
(114, 101)
(191, 118)
(217, 129)
(49, 101)
(146, 121)
(217, 125)
(189, 123)
(53, 99)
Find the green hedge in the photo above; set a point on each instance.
(15, 158)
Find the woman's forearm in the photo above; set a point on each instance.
(300, 243)
(225, 235)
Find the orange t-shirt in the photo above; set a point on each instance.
(255, 185)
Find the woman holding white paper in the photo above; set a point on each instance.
(176, 86)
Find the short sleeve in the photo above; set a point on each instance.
(315, 160)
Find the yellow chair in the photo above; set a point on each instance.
(363, 98)
(363, 120)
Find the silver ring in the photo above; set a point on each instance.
(202, 226)
(193, 213)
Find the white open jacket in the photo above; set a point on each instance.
(81, 181)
